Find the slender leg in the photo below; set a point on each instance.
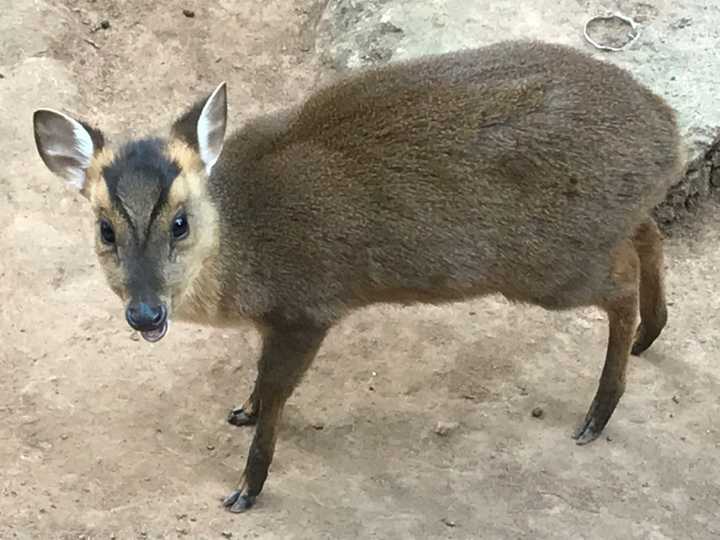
(653, 310)
(286, 355)
(246, 414)
(621, 308)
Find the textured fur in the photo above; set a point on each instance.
(513, 169)
(521, 168)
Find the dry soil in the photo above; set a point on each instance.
(102, 434)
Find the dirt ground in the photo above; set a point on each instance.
(105, 436)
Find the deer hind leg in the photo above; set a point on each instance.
(621, 306)
(653, 310)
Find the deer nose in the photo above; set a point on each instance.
(144, 317)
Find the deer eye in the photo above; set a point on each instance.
(107, 234)
(180, 227)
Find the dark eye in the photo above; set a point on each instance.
(106, 232)
(180, 226)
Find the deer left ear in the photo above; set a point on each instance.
(65, 145)
(203, 126)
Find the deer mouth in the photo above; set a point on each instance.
(156, 334)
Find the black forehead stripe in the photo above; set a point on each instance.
(154, 213)
(144, 158)
(125, 215)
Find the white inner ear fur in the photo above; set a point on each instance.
(211, 127)
(67, 146)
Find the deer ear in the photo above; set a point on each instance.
(66, 146)
(211, 127)
(203, 126)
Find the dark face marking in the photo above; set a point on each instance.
(138, 180)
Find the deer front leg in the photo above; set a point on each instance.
(246, 414)
(286, 355)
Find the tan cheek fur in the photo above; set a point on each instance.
(94, 188)
(195, 289)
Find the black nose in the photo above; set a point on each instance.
(143, 317)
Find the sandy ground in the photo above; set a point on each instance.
(102, 435)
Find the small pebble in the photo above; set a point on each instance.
(445, 428)
(675, 399)
(318, 425)
(210, 447)
(189, 13)
(608, 438)
(448, 522)
(226, 534)
(135, 336)
(537, 412)
(105, 24)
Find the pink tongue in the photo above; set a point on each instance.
(156, 335)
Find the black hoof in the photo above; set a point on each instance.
(237, 503)
(238, 417)
(587, 432)
(597, 417)
(644, 337)
(639, 347)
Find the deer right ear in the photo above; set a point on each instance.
(203, 126)
(66, 146)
